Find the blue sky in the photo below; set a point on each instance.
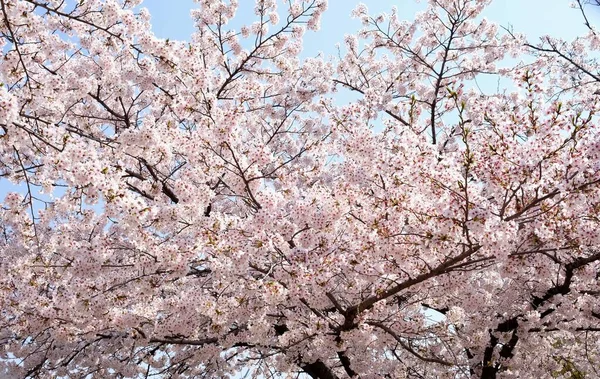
(170, 19)
(534, 18)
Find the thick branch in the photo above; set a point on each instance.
(443, 268)
(319, 370)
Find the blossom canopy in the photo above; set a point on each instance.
(211, 207)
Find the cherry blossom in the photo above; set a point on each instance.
(209, 207)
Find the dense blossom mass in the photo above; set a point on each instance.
(211, 207)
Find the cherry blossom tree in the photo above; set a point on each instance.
(205, 208)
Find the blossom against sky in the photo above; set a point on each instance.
(535, 18)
